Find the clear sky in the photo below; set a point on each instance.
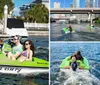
(19, 3)
(66, 3)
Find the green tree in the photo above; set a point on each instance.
(10, 5)
(38, 13)
(98, 21)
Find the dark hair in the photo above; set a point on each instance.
(1, 41)
(73, 56)
(32, 46)
(78, 53)
(79, 56)
(70, 27)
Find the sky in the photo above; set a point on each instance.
(66, 3)
(19, 3)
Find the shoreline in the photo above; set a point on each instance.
(38, 33)
(34, 33)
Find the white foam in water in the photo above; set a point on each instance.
(79, 77)
(96, 70)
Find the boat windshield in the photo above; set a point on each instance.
(15, 23)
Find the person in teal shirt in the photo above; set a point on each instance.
(17, 49)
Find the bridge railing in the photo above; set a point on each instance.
(75, 10)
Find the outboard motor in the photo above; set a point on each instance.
(74, 65)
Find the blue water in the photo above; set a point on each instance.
(59, 51)
(39, 41)
(41, 46)
(8, 79)
(82, 33)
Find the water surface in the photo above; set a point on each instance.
(82, 32)
(60, 51)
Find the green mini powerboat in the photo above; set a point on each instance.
(66, 30)
(84, 64)
(37, 64)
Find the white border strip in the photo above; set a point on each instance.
(74, 42)
(49, 44)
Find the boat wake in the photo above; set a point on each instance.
(79, 77)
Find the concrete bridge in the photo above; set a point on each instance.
(75, 10)
(88, 11)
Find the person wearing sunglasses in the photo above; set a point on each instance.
(16, 50)
(28, 51)
(1, 44)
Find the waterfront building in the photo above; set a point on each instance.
(71, 5)
(99, 3)
(26, 7)
(76, 3)
(90, 3)
(56, 5)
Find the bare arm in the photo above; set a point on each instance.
(67, 67)
(16, 55)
